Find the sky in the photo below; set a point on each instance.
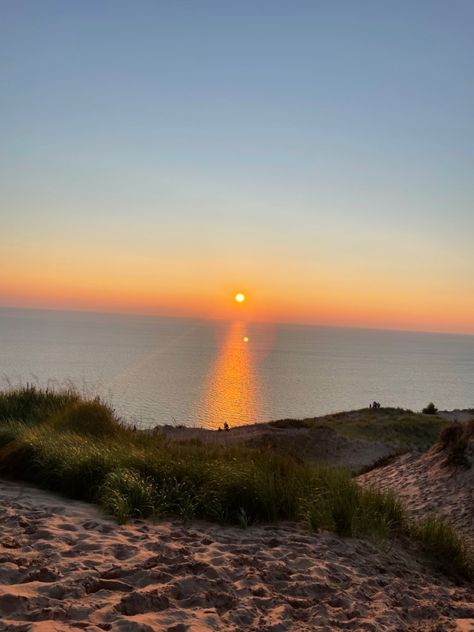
(157, 157)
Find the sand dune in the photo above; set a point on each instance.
(65, 567)
(427, 486)
(311, 444)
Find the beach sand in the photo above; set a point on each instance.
(426, 485)
(63, 566)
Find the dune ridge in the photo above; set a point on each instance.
(428, 485)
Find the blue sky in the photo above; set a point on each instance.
(245, 136)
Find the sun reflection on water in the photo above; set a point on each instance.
(232, 392)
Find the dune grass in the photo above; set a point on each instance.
(79, 448)
(32, 405)
(440, 542)
(454, 442)
(404, 429)
(338, 504)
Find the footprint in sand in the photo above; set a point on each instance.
(43, 574)
(124, 551)
(66, 526)
(10, 603)
(141, 602)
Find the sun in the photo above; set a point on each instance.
(240, 297)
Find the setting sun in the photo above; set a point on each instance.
(240, 297)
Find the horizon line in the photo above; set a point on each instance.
(269, 322)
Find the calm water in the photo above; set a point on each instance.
(165, 370)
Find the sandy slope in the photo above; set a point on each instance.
(64, 567)
(427, 486)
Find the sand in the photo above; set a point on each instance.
(427, 486)
(63, 566)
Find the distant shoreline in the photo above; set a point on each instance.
(187, 317)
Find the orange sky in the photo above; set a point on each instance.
(280, 293)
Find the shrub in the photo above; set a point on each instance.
(430, 409)
(454, 441)
(451, 434)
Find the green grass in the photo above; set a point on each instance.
(443, 545)
(32, 404)
(79, 448)
(404, 429)
(338, 504)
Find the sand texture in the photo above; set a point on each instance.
(65, 567)
(427, 486)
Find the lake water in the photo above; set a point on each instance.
(157, 370)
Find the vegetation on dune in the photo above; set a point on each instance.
(402, 428)
(79, 448)
(32, 405)
(383, 461)
(430, 409)
(454, 442)
(89, 418)
(338, 504)
(443, 545)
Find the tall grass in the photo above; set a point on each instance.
(81, 449)
(338, 504)
(31, 404)
(402, 428)
(442, 544)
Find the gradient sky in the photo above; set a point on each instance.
(156, 157)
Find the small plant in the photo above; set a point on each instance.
(430, 409)
(454, 441)
(126, 494)
(440, 542)
(340, 505)
(243, 519)
(451, 434)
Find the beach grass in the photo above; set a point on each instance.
(440, 542)
(78, 447)
(31, 404)
(404, 429)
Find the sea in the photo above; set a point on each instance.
(161, 370)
